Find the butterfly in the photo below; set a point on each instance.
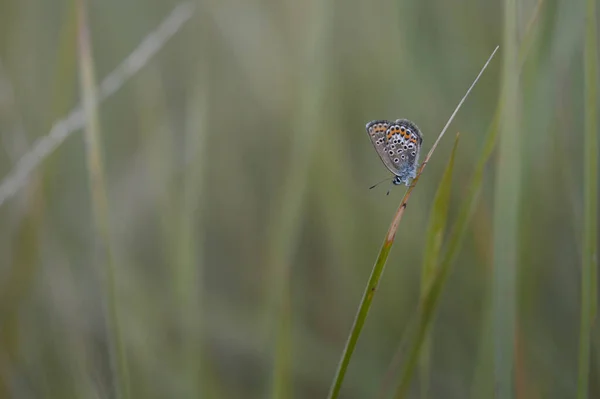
(398, 145)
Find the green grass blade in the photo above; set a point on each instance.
(433, 245)
(506, 212)
(285, 228)
(437, 225)
(99, 198)
(431, 285)
(590, 225)
(361, 316)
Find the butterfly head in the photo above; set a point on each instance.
(398, 181)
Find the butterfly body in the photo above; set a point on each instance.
(398, 144)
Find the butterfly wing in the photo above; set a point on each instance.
(377, 134)
(398, 145)
(407, 139)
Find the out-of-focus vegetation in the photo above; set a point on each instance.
(241, 231)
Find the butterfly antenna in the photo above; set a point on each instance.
(389, 189)
(376, 184)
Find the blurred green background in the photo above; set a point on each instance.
(237, 170)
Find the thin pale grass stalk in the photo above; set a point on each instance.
(589, 258)
(100, 208)
(285, 227)
(506, 214)
(430, 285)
(379, 266)
(75, 120)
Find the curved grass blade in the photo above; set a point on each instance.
(433, 245)
(377, 270)
(437, 224)
(589, 266)
(435, 233)
(456, 235)
(100, 208)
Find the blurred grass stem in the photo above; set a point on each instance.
(286, 224)
(100, 208)
(589, 258)
(506, 212)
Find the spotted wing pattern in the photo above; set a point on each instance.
(377, 131)
(403, 143)
(398, 146)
